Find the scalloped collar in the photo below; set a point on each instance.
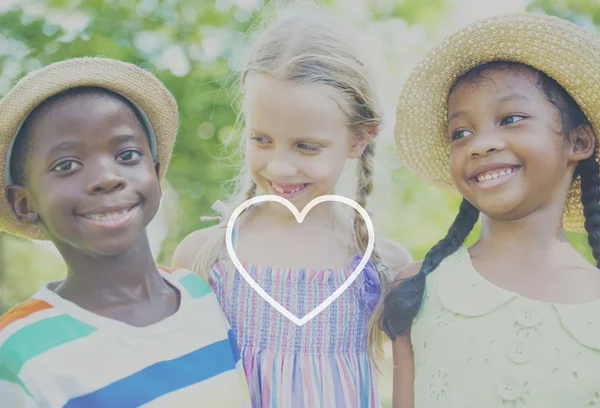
(462, 290)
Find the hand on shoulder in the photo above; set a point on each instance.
(408, 271)
(187, 250)
(393, 255)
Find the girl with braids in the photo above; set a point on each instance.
(507, 112)
(309, 106)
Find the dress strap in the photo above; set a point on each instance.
(220, 207)
(234, 239)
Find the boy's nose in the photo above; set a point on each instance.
(106, 180)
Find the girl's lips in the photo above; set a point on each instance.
(494, 178)
(288, 191)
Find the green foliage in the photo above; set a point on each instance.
(195, 48)
(429, 13)
(583, 12)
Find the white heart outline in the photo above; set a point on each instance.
(299, 218)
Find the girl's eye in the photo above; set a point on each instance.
(66, 165)
(129, 155)
(509, 119)
(260, 139)
(311, 148)
(459, 134)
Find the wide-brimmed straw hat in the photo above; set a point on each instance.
(155, 104)
(562, 50)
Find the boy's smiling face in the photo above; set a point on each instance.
(90, 180)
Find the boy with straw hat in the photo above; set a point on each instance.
(84, 144)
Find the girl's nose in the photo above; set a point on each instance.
(282, 168)
(485, 143)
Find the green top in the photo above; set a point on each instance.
(478, 345)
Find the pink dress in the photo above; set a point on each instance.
(323, 363)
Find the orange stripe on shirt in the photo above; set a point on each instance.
(168, 270)
(22, 311)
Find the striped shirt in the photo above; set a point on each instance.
(55, 354)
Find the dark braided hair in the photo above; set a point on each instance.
(403, 302)
(590, 197)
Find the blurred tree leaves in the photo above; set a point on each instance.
(583, 12)
(187, 44)
(195, 48)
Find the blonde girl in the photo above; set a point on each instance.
(309, 106)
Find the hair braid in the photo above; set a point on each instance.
(363, 189)
(590, 198)
(403, 302)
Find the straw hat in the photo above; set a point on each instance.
(562, 50)
(156, 106)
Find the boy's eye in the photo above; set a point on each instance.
(308, 147)
(129, 155)
(509, 119)
(459, 134)
(66, 165)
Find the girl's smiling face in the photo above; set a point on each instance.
(298, 139)
(508, 156)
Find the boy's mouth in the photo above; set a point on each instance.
(112, 217)
(288, 190)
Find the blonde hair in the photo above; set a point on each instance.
(309, 45)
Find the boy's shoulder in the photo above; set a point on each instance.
(193, 284)
(32, 328)
(23, 315)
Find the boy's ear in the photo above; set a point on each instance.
(583, 142)
(20, 203)
(157, 168)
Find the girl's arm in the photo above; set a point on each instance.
(404, 366)
(187, 250)
(403, 374)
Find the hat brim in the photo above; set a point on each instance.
(139, 86)
(565, 52)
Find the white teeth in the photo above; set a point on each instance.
(108, 216)
(282, 191)
(491, 176)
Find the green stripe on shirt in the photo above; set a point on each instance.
(195, 285)
(36, 339)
